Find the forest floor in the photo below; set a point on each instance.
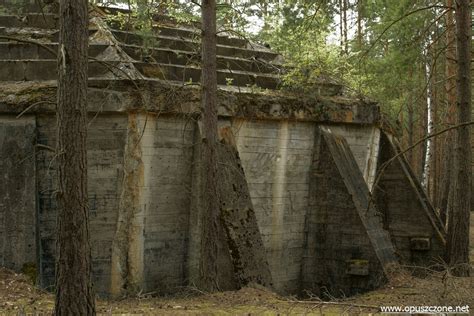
(18, 297)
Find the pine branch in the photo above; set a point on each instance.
(398, 20)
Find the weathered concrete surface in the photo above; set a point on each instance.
(364, 144)
(407, 213)
(17, 192)
(346, 248)
(238, 218)
(276, 158)
(161, 244)
(106, 144)
(144, 202)
(191, 275)
(241, 254)
(226, 277)
(167, 145)
(127, 247)
(158, 232)
(165, 98)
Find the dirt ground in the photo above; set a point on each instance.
(18, 297)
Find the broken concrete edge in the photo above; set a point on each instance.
(163, 97)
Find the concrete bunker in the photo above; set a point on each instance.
(143, 168)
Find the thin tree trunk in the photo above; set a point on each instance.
(360, 15)
(341, 24)
(346, 48)
(411, 128)
(450, 88)
(209, 246)
(74, 293)
(421, 130)
(433, 180)
(429, 127)
(458, 228)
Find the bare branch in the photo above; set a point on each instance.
(32, 105)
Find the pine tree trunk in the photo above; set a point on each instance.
(74, 293)
(360, 15)
(346, 43)
(210, 198)
(458, 228)
(450, 88)
(411, 128)
(341, 25)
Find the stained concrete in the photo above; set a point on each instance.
(237, 217)
(276, 157)
(127, 246)
(346, 249)
(407, 214)
(18, 192)
(144, 163)
(364, 144)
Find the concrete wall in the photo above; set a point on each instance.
(161, 225)
(167, 146)
(364, 143)
(17, 192)
(276, 156)
(346, 246)
(105, 160)
(406, 215)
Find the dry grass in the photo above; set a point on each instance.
(18, 296)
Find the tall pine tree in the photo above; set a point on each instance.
(74, 292)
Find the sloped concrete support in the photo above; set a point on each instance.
(346, 249)
(242, 256)
(238, 217)
(415, 228)
(364, 144)
(225, 272)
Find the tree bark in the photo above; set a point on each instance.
(411, 127)
(341, 25)
(360, 16)
(210, 197)
(458, 228)
(450, 89)
(346, 43)
(74, 292)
